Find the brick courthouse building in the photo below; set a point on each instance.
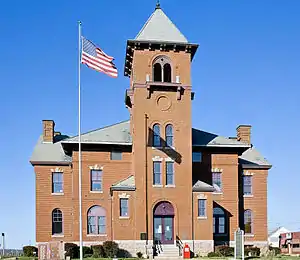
(153, 177)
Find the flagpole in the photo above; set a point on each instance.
(79, 141)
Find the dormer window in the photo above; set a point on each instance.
(162, 70)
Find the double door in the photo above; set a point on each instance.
(164, 229)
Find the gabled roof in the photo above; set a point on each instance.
(201, 138)
(44, 153)
(160, 28)
(125, 184)
(118, 133)
(252, 158)
(202, 186)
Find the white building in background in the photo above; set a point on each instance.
(273, 238)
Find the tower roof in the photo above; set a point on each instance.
(160, 28)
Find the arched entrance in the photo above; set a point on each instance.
(163, 223)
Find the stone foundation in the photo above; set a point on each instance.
(200, 247)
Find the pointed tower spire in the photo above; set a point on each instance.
(157, 5)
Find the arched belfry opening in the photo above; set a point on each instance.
(157, 72)
(163, 223)
(162, 69)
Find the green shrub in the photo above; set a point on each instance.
(139, 254)
(122, 253)
(98, 251)
(30, 251)
(111, 249)
(87, 251)
(72, 250)
(276, 250)
(252, 251)
(214, 254)
(225, 250)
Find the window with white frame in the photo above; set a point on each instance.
(57, 182)
(157, 173)
(217, 180)
(248, 221)
(96, 180)
(124, 207)
(156, 136)
(96, 220)
(169, 173)
(201, 207)
(247, 184)
(57, 222)
(169, 136)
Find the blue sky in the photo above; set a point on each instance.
(246, 71)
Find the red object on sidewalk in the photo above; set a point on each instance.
(186, 252)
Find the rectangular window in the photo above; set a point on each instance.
(170, 173)
(201, 208)
(214, 225)
(57, 182)
(92, 225)
(296, 245)
(101, 225)
(96, 180)
(116, 155)
(216, 180)
(197, 157)
(123, 207)
(156, 173)
(221, 225)
(247, 180)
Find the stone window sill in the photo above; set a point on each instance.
(96, 235)
(217, 193)
(157, 147)
(157, 186)
(170, 148)
(248, 196)
(202, 217)
(170, 186)
(58, 235)
(123, 217)
(57, 193)
(96, 191)
(249, 235)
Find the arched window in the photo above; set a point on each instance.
(169, 135)
(167, 72)
(162, 70)
(96, 220)
(156, 136)
(248, 221)
(57, 222)
(219, 221)
(157, 71)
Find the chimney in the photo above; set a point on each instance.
(48, 131)
(244, 133)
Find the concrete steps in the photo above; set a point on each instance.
(168, 252)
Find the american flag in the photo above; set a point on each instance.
(95, 58)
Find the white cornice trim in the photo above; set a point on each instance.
(57, 169)
(157, 159)
(124, 196)
(216, 170)
(246, 173)
(202, 196)
(168, 159)
(96, 167)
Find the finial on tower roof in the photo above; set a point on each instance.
(157, 5)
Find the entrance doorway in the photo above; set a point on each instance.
(163, 223)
